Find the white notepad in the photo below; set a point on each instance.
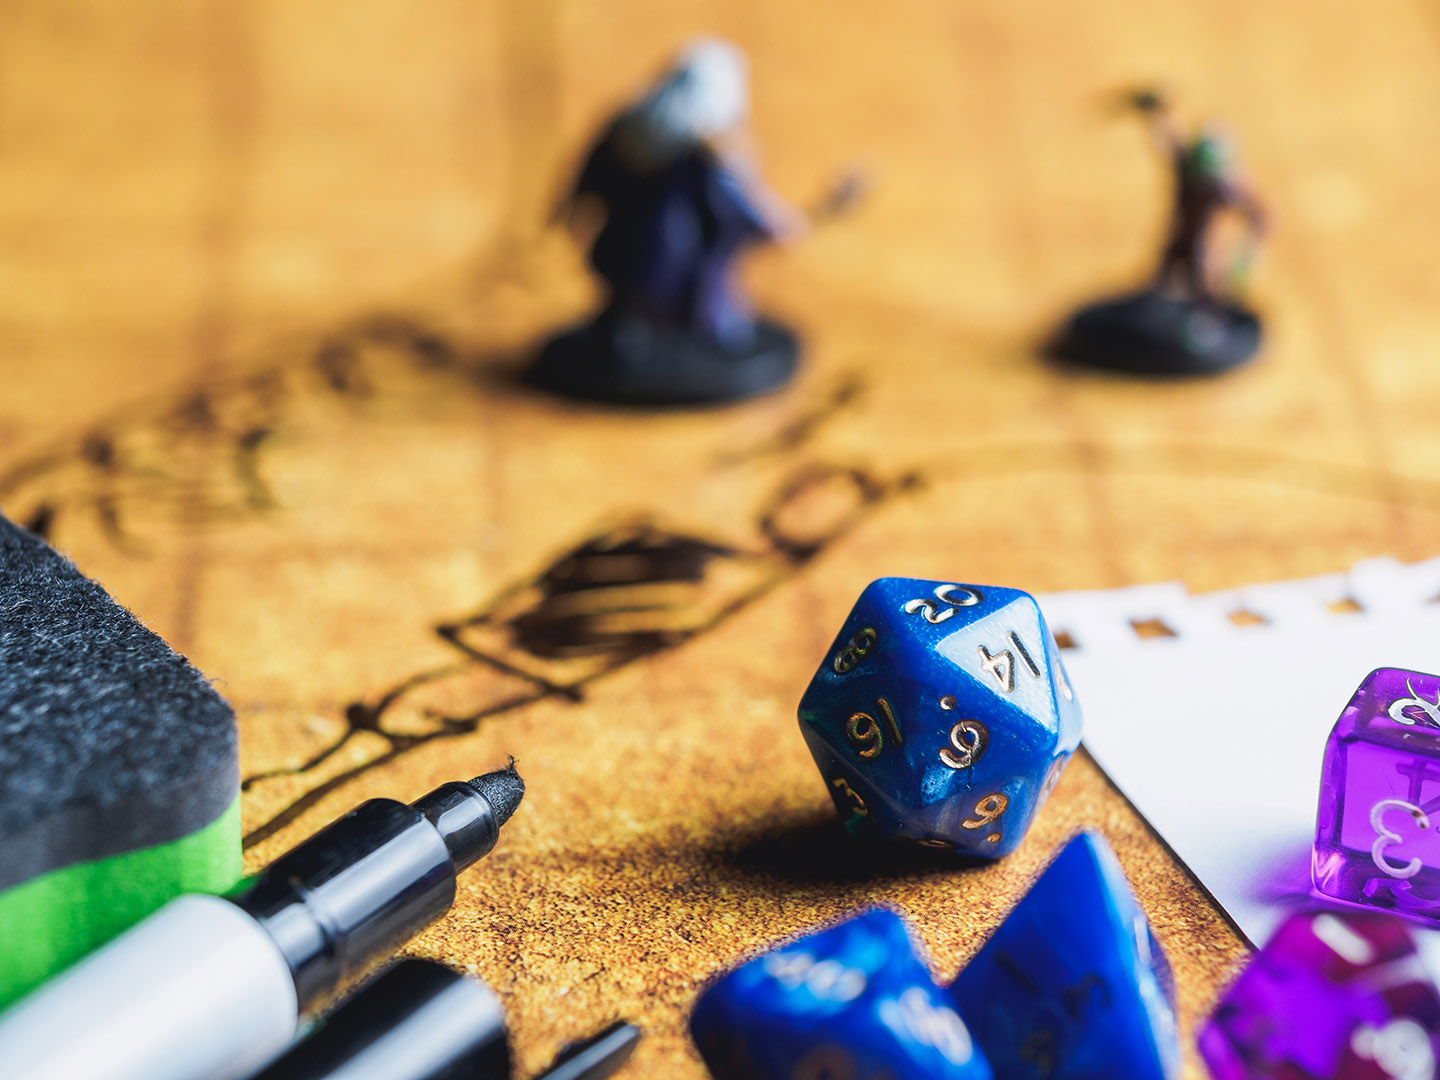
(1217, 733)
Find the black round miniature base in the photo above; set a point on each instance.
(1146, 333)
(632, 362)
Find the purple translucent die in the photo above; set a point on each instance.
(1332, 996)
(1377, 839)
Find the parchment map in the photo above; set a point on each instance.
(267, 278)
(635, 589)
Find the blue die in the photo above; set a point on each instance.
(941, 715)
(850, 1002)
(1073, 985)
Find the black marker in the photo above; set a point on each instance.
(420, 1020)
(210, 988)
(596, 1057)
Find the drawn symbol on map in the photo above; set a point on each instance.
(197, 457)
(627, 593)
(639, 588)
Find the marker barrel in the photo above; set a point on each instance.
(196, 990)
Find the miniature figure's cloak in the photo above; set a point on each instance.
(670, 237)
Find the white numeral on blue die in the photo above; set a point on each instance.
(828, 980)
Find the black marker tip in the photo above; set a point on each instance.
(503, 789)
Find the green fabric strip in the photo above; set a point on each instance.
(49, 922)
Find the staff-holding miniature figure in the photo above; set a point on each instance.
(1205, 184)
(681, 199)
(1185, 322)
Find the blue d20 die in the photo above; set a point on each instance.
(1073, 984)
(941, 715)
(853, 1001)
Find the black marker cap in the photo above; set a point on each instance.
(419, 1020)
(363, 885)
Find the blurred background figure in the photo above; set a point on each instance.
(1186, 322)
(1206, 183)
(674, 183)
(682, 197)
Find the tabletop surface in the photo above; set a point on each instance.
(267, 270)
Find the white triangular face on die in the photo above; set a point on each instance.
(1007, 654)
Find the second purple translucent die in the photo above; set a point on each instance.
(1332, 996)
(1377, 839)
